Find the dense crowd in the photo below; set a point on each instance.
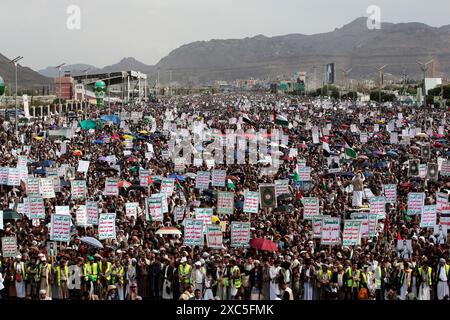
(141, 264)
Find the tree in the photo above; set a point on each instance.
(385, 97)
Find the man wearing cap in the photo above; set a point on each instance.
(442, 279)
(19, 277)
(198, 276)
(184, 274)
(46, 275)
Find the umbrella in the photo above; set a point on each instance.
(77, 153)
(381, 164)
(191, 175)
(263, 244)
(347, 174)
(99, 142)
(132, 159)
(128, 137)
(168, 230)
(39, 171)
(35, 164)
(47, 163)
(368, 174)
(392, 154)
(11, 215)
(421, 135)
(102, 159)
(177, 177)
(363, 157)
(143, 132)
(92, 242)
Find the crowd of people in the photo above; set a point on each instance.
(140, 264)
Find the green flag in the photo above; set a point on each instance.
(230, 184)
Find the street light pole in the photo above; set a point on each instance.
(381, 72)
(424, 68)
(85, 86)
(60, 83)
(15, 61)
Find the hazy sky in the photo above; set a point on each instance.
(149, 29)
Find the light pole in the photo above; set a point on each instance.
(424, 68)
(109, 96)
(85, 86)
(381, 72)
(60, 83)
(345, 73)
(15, 61)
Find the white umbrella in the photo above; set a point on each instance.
(92, 241)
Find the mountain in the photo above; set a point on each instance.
(129, 63)
(26, 78)
(75, 69)
(351, 46)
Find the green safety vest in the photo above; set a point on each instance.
(58, 274)
(237, 279)
(429, 274)
(321, 274)
(116, 277)
(186, 272)
(90, 272)
(378, 277)
(107, 271)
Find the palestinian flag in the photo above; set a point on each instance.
(349, 151)
(296, 176)
(325, 147)
(178, 184)
(281, 120)
(405, 212)
(299, 195)
(246, 119)
(231, 184)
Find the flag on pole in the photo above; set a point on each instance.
(246, 119)
(296, 176)
(325, 147)
(349, 151)
(230, 184)
(281, 120)
(405, 212)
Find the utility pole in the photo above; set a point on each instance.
(60, 83)
(424, 68)
(15, 61)
(85, 86)
(345, 74)
(381, 72)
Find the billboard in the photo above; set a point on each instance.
(330, 73)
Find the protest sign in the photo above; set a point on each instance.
(205, 215)
(390, 192)
(33, 187)
(225, 202)
(179, 213)
(60, 228)
(310, 207)
(331, 229)
(364, 219)
(143, 177)
(351, 236)
(62, 210)
(164, 202)
(214, 236)
(46, 188)
(218, 178)
(112, 187)
(416, 202)
(154, 208)
(167, 186)
(92, 212)
(37, 209)
(304, 174)
(81, 216)
(13, 177)
(78, 189)
(240, 234)
(317, 226)
(131, 209)
(377, 206)
(107, 226)
(9, 247)
(251, 202)
(267, 196)
(442, 202)
(193, 232)
(202, 180)
(281, 187)
(428, 218)
(83, 166)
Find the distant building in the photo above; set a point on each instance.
(67, 89)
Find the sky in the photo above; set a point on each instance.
(109, 30)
